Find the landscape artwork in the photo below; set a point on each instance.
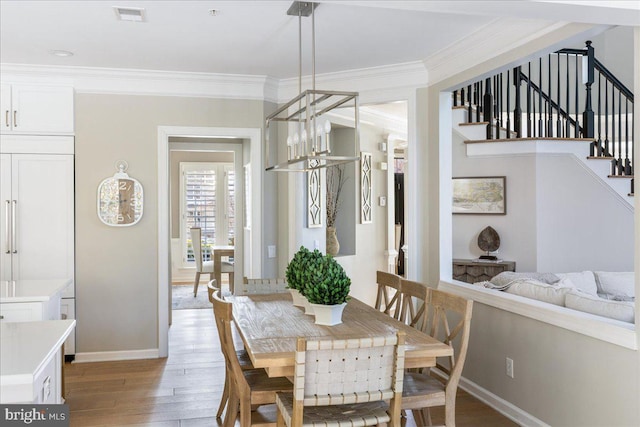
(480, 195)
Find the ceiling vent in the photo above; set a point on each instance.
(129, 14)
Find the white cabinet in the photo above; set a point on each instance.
(36, 109)
(37, 215)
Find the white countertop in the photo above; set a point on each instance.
(31, 290)
(26, 346)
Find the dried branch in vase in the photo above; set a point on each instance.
(335, 181)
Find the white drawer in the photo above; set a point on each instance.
(20, 312)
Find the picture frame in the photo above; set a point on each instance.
(484, 195)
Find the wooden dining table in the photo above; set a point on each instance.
(218, 253)
(270, 325)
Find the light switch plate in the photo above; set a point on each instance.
(271, 250)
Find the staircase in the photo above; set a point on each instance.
(568, 96)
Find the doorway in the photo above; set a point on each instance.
(248, 240)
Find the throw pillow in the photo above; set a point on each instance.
(616, 283)
(502, 280)
(583, 280)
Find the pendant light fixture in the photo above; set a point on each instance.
(308, 141)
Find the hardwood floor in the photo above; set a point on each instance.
(184, 389)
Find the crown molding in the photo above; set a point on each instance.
(146, 82)
(396, 77)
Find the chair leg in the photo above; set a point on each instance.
(233, 405)
(225, 396)
(195, 285)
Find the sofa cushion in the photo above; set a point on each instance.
(619, 310)
(583, 280)
(616, 283)
(530, 288)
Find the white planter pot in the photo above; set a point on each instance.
(298, 299)
(328, 314)
(308, 309)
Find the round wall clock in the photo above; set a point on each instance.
(120, 198)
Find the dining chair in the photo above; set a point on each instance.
(415, 299)
(389, 298)
(243, 358)
(247, 388)
(345, 382)
(202, 266)
(263, 286)
(450, 320)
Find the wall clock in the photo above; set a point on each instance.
(120, 198)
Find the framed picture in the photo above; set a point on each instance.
(486, 195)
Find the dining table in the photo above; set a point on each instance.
(218, 253)
(270, 324)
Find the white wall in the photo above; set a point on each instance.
(560, 217)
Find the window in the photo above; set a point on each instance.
(207, 200)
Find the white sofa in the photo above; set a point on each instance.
(603, 293)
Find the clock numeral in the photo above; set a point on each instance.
(120, 217)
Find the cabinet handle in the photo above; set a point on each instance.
(13, 227)
(7, 229)
(6, 118)
(1, 317)
(15, 118)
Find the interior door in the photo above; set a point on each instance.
(42, 185)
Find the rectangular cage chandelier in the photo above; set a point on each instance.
(308, 141)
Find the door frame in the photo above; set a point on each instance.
(254, 136)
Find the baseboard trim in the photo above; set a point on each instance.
(109, 356)
(507, 409)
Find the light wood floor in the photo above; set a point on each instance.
(184, 389)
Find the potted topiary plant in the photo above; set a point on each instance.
(327, 289)
(295, 274)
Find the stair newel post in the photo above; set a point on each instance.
(487, 110)
(517, 112)
(588, 116)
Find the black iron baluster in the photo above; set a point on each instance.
(508, 107)
(627, 162)
(620, 162)
(567, 128)
(469, 109)
(606, 117)
(517, 113)
(540, 97)
(455, 97)
(550, 92)
(478, 101)
(599, 150)
(577, 134)
(500, 105)
(529, 103)
(488, 100)
(559, 123)
(614, 162)
(496, 101)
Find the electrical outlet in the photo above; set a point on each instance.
(509, 367)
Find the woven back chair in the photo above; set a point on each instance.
(263, 286)
(247, 388)
(345, 383)
(389, 298)
(415, 299)
(450, 323)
